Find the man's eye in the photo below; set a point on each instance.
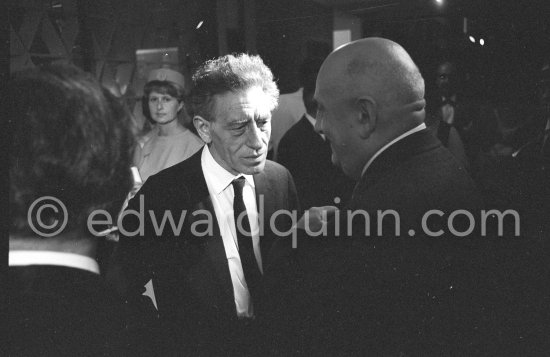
(240, 127)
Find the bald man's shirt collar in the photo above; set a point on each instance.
(385, 147)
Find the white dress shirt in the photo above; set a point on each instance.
(221, 193)
(448, 110)
(385, 147)
(312, 120)
(45, 257)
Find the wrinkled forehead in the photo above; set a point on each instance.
(250, 102)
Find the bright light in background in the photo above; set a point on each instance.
(341, 37)
(472, 39)
(439, 2)
(481, 41)
(199, 25)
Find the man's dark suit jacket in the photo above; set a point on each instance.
(190, 273)
(413, 176)
(407, 295)
(61, 311)
(308, 158)
(474, 121)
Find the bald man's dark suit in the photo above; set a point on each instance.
(413, 176)
(407, 295)
(190, 273)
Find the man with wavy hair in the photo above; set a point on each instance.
(208, 272)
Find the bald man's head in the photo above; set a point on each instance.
(377, 67)
(369, 92)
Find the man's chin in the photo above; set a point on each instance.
(337, 163)
(254, 169)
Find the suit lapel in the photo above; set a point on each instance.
(402, 150)
(214, 249)
(266, 203)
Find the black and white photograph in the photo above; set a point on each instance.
(276, 177)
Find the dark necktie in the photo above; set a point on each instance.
(251, 271)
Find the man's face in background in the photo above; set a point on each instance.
(446, 79)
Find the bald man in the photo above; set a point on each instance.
(371, 108)
(400, 291)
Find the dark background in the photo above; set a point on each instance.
(102, 36)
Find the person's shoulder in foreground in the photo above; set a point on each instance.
(69, 157)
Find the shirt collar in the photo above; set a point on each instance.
(45, 257)
(312, 120)
(216, 176)
(299, 92)
(400, 137)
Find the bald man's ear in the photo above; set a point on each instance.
(367, 109)
(203, 127)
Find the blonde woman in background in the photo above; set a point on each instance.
(169, 142)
